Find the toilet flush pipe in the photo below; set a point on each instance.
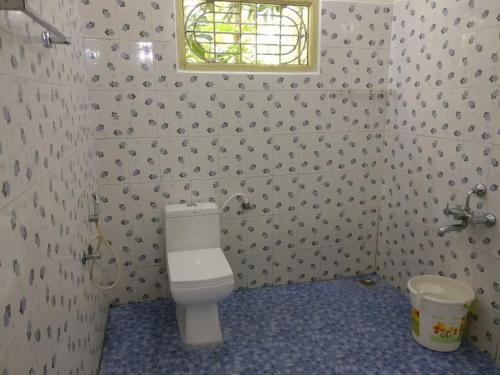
(245, 205)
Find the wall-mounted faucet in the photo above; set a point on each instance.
(465, 215)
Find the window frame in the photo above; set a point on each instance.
(312, 44)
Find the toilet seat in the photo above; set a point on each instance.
(198, 269)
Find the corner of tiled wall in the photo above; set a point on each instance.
(442, 138)
(53, 319)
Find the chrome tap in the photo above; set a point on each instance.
(451, 228)
(465, 215)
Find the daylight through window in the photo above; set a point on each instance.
(246, 35)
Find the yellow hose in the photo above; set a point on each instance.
(102, 240)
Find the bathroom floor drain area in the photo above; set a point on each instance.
(368, 283)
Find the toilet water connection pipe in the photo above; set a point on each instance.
(245, 205)
(92, 256)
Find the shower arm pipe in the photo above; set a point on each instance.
(51, 36)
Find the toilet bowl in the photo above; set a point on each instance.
(199, 273)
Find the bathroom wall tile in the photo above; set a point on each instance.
(143, 160)
(474, 164)
(136, 65)
(146, 206)
(126, 289)
(206, 191)
(482, 116)
(255, 112)
(338, 106)
(240, 270)
(178, 192)
(311, 152)
(240, 82)
(204, 157)
(482, 51)
(494, 186)
(285, 193)
(372, 26)
(312, 111)
(165, 75)
(342, 151)
(169, 137)
(308, 265)
(99, 19)
(171, 113)
(260, 230)
(174, 158)
(201, 107)
(227, 188)
(115, 202)
(259, 155)
(367, 111)
(152, 283)
(337, 24)
(260, 270)
(339, 68)
(232, 156)
(351, 225)
(484, 331)
(234, 236)
(310, 231)
(285, 229)
(284, 112)
(136, 114)
(134, 19)
(259, 191)
(310, 192)
(486, 279)
(106, 112)
(228, 114)
(286, 154)
(369, 69)
(355, 188)
(331, 262)
(163, 21)
(113, 164)
(285, 268)
(205, 81)
(121, 239)
(102, 59)
(358, 258)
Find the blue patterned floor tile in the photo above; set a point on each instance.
(324, 328)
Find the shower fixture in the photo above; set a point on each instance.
(92, 255)
(51, 36)
(465, 215)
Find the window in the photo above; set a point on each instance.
(248, 36)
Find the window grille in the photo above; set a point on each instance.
(246, 35)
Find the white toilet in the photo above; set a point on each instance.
(198, 270)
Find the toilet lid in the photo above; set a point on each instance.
(198, 267)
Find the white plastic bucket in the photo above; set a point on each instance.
(439, 311)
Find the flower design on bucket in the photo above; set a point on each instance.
(443, 330)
